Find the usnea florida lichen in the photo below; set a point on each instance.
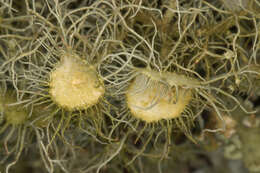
(158, 97)
(61, 74)
(162, 64)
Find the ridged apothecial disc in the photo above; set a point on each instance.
(152, 101)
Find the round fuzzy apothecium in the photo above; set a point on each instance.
(151, 100)
(74, 84)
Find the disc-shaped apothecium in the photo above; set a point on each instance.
(151, 100)
(14, 114)
(74, 84)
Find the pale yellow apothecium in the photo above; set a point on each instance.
(151, 100)
(75, 85)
